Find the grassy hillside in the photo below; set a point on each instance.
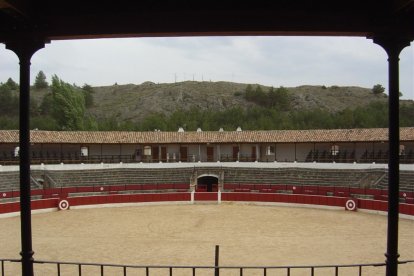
(134, 102)
(210, 105)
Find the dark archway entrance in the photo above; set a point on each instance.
(207, 183)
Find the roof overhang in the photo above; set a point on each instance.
(77, 19)
(205, 137)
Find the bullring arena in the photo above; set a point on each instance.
(243, 207)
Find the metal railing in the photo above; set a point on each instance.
(149, 270)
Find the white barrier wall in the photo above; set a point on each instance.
(347, 166)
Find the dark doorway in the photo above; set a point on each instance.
(155, 153)
(235, 153)
(183, 154)
(253, 154)
(207, 184)
(164, 154)
(210, 154)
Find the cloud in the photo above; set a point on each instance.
(277, 61)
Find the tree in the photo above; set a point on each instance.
(407, 114)
(44, 123)
(40, 81)
(257, 95)
(46, 107)
(154, 121)
(378, 89)
(248, 93)
(11, 84)
(278, 98)
(9, 103)
(69, 105)
(7, 122)
(88, 94)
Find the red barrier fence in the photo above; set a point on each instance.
(376, 205)
(313, 190)
(376, 194)
(129, 198)
(205, 196)
(36, 205)
(285, 198)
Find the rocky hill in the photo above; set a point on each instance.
(133, 102)
(210, 105)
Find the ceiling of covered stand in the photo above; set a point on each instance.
(69, 19)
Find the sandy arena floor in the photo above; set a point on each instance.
(187, 235)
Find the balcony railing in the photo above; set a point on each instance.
(59, 268)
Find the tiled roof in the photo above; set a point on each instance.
(192, 137)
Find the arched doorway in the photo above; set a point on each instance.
(207, 183)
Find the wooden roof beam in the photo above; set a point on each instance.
(404, 6)
(19, 7)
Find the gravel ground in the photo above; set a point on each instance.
(187, 235)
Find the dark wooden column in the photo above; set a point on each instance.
(393, 46)
(24, 49)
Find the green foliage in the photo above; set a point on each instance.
(278, 98)
(255, 95)
(113, 124)
(275, 98)
(378, 89)
(65, 108)
(154, 121)
(249, 89)
(9, 106)
(9, 102)
(46, 122)
(262, 118)
(40, 81)
(66, 105)
(372, 115)
(47, 105)
(90, 123)
(11, 84)
(87, 91)
(34, 107)
(407, 115)
(7, 122)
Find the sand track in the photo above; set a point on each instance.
(187, 235)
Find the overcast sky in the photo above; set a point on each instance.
(276, 61)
